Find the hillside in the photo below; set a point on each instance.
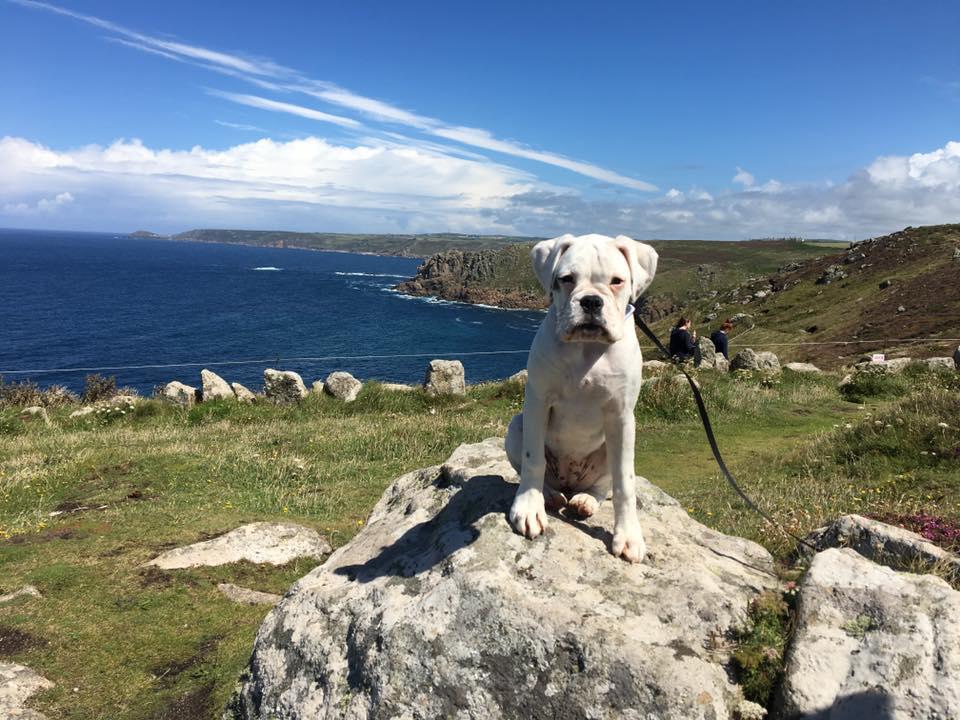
(796, 294)
(881, 295)
(402, 245)
(687, 270)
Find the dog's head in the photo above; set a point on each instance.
(591, 280)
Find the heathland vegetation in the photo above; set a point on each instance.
(86, 501)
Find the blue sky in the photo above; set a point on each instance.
(672, 120)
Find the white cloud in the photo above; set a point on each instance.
(269, 75)
(307, 183)
(743, 177)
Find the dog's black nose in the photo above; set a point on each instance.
(591, 303)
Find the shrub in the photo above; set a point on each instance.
(758, 659)
(98, 387)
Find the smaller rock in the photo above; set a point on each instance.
(833, 273)
(519, 377)
(721, 364)
(397, 387)
(799, 367)
(749, 359)
(710, 317)
(180, 394)
(445, 377)
(243, 596)
(901, 309)
(17, 684)
(260, 542)
(655, 365)
(35, 412)
(215, 387)
(342, 385)
(761, 294)
(83, 412)
(938, 362)
(706, 354)
(884, 284)
(242, 393)
(742, 319)
(283, 386)
(25, 591)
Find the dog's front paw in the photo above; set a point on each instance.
(528, 516)
(583, 505)
(628, 542)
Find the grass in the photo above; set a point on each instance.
(85, 502)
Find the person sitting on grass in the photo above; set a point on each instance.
(683, 340)
(720, 339)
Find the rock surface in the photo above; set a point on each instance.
(17, 684)
(883, 367)
(343, 386)
(886, 544)
(35, 412)
(799, 367)
(519, 376)
(242, 393)
(445, 377)
(215, 387)
(261, 542)
(25, 591)
(655, 365)
(436, 609)
(749, 359)
(397, 387)
(180, 394)
(872, 643)
(245, 596)
(283, 386)
(939, 362)
(706, 355)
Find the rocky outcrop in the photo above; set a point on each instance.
(749, 359)
(179, 394)
(260, 542)
(436, 609)
(445, 377)
(936, 363)
(467, 276)
(17, 684)
(283, 386)
(215, 387)
(872, 643)
(343, 386)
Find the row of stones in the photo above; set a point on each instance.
(442, 377)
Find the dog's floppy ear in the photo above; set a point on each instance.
(642, 260)
(545, 255)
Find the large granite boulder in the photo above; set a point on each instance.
(283, 386)
(445, 377)
(872, 643)
(259, 542)
(215, 387)
(436, 609)
(343, 386)
(179, 394)
(749, 359)
(242, 393)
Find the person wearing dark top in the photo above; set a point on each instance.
(683, 341)
(720, 340)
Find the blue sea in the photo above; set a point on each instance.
(90, 300)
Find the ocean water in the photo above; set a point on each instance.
(90, 300)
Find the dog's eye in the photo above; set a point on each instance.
(567, 279)
(616, 281)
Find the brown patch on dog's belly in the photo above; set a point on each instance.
(571, 475)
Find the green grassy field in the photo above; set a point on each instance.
(125, 643)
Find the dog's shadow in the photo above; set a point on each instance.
(430, 543)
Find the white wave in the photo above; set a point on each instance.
(268, 267)
(360, 274)
(440, 301)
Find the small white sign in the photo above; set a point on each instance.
(878, 357)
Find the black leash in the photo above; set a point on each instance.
(705, 419)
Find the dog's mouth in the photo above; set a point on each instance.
(590, 330)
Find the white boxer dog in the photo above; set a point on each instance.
(574, 440)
